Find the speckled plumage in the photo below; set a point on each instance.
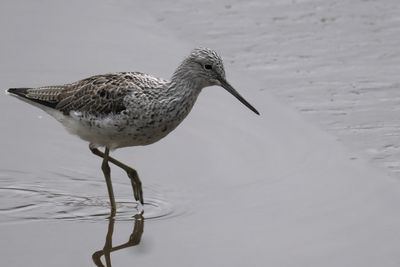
(129, 108)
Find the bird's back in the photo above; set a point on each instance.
(99, 94)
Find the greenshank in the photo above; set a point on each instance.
(129, 108)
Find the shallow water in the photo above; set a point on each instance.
(226, 188)
(337, 62)
(42, 200)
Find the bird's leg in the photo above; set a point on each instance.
(107, 175)
(132, 174)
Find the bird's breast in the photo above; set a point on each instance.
(158, 119)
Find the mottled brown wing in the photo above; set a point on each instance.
(100, 94)
(94, 99)
(104, 94)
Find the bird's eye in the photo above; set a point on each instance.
(207, 66)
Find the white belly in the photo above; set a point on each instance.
(114, 131)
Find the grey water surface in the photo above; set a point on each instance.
(291, 187)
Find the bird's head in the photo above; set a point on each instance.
(205, 67)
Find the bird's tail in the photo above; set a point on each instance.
(21, 92)
(35, 96)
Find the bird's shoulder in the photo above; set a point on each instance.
(120, 80)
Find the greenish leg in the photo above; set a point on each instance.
(132, 174)
(107, 175)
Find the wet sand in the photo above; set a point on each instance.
(227, 188)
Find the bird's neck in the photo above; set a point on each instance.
(181, 93)
(184, 83)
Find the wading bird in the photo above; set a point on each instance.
(129, 108)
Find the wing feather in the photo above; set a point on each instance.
(100, 94)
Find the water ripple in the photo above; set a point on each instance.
(43, 201)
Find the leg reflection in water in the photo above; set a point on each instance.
(134, 239)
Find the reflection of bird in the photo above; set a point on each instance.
(129, 108)
(134, 240)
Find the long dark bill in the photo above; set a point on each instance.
(235, 93)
